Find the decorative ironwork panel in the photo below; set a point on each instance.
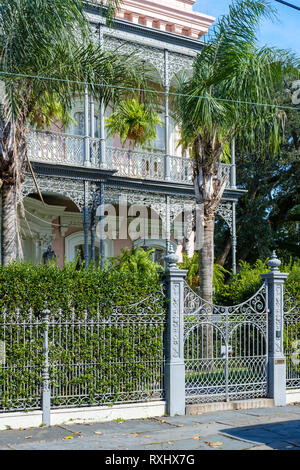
(225, 348)
(225, 211)
(181, 169)
(155, 56)
(103, 359)
(73, 189)
(21, 361)
(150, 55)
(106, 356)
(291, 339)
(56, 147)
(136, 164)
(157, 202)
(178, 63)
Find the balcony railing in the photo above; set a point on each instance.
(66, 149)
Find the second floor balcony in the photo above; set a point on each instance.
(80, 151)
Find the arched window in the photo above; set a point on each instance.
(74, 246)
(77, 128)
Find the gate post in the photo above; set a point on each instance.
(174, 344)
(276, 359)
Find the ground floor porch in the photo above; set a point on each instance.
(88, 217)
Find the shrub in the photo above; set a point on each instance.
(135, 261)
(247, 281)
(134, 121)
(25, 285)
(105, 334)
(235, 289)
(192, 266)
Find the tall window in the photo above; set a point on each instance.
(159, 142)
(79, 126)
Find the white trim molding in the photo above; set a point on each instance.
(77, 238)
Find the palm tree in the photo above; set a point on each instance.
(41, 38)
(221, 101)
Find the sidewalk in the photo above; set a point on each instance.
(258, 429)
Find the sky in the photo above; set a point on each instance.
(283, 34)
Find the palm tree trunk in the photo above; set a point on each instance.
(8, 224)
(206, 264)
(206, 259)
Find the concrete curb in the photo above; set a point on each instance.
(100, 414)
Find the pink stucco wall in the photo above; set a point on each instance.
(119, 244)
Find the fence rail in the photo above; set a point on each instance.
(92, 359)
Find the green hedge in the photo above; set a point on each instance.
(119, 360)
(28, 286)
(247, 281)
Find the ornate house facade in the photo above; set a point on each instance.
(145, 197)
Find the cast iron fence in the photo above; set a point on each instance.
(291, 339)
(83, 358)
(226, 353)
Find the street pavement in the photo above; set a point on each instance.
(256, 429)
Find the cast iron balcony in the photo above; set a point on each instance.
(66, 149)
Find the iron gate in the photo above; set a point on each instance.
(225, 349)
(291, 339)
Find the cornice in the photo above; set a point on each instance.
(149, 36)
(148, 6)
(160, 17)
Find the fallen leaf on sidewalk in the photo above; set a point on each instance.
(28, 437)
(69, 437)
(135, 434)
(180, 425)
(98, 432)
(196, 438)
(214, 444)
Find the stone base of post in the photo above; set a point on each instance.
(277, 382)
(175, 388)
(46, 407)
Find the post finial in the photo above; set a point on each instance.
(171, 258)
(274, 262)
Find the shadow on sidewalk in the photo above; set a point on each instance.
(284, 435)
